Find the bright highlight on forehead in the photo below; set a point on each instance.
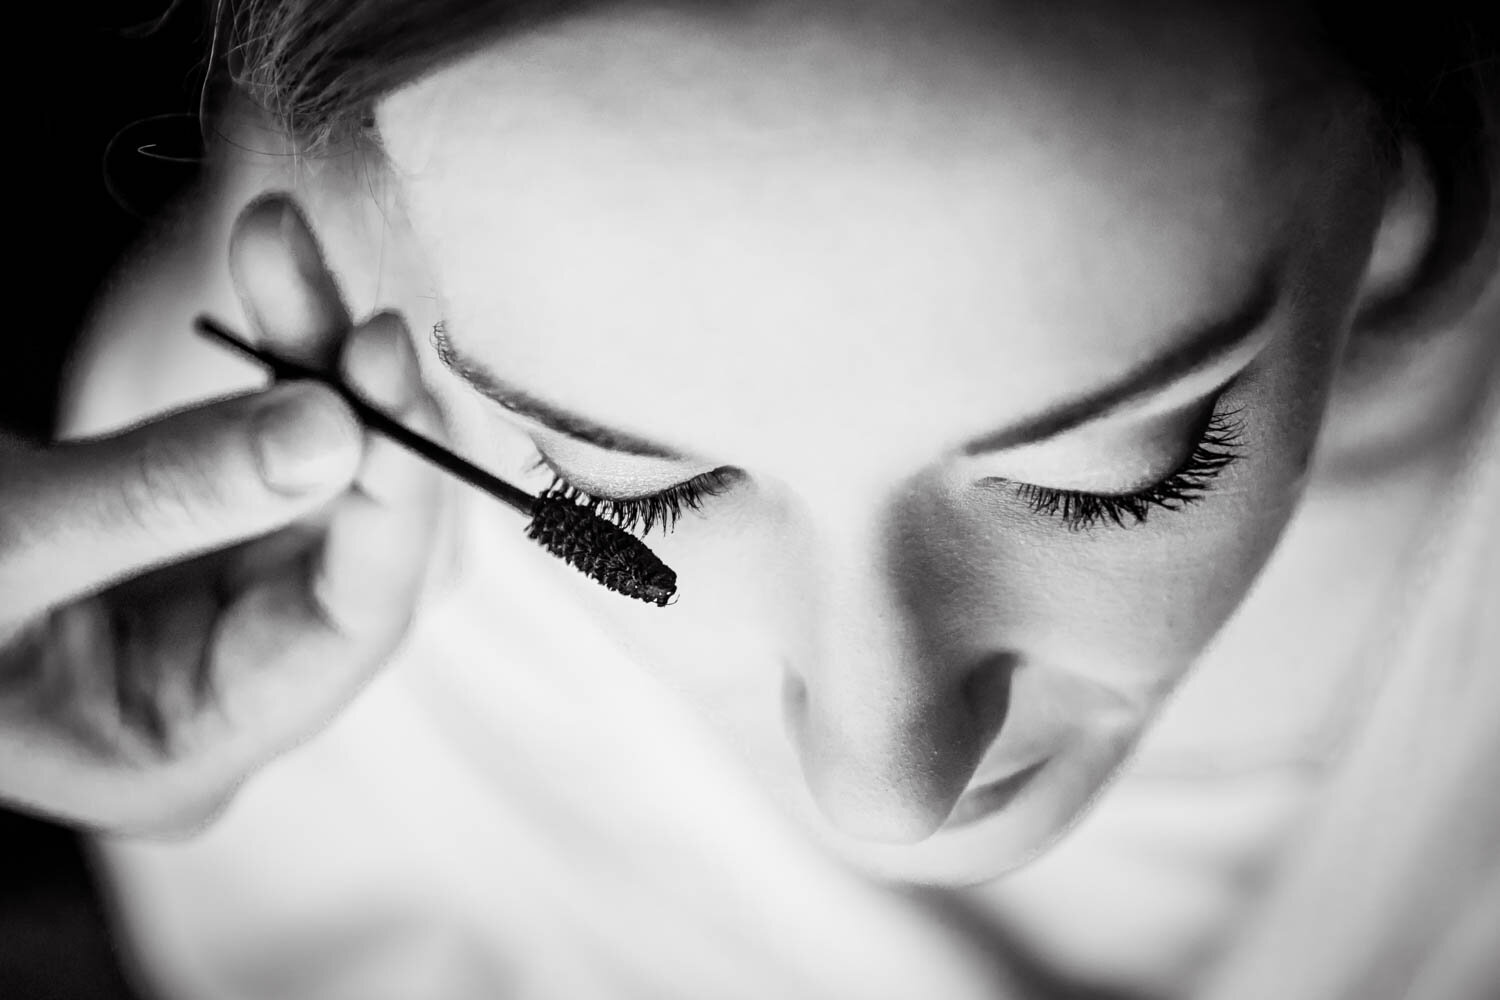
(669, 223)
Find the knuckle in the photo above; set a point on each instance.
(181, 797)
(170, 485)
(29, 503)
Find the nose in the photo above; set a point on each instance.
(888, 739)
(901, 679)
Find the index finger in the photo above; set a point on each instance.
(283, 280)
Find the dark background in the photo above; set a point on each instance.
(105, 131)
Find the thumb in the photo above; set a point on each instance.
(84, 515)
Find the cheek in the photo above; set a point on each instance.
(1130, 609)
(723, 646)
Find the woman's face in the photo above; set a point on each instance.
(924, 281)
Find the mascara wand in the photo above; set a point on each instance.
(603, 551)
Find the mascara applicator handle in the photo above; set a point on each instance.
(286, 370)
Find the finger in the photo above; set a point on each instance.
(79, 517)
(45, 770)
(401, 494)
(375, 365)
(297, 649)
(288, 292)
(377, 359)
(380, 363)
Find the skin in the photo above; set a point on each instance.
(188, 598)
(824, 249)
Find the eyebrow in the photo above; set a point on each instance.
(1197, 350)
(550, 415)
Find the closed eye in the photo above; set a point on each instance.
(1218, 445)
(663, 508)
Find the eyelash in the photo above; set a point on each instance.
(1218, 447)
(664, 508)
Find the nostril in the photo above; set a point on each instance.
(986, 692)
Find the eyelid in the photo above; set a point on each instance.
(1218, 445)
(663, 508)
(1149, 447)
(620, 485)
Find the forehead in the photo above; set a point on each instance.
(736, 230)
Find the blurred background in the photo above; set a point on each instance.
(105, 133)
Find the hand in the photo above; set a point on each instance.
(184, 601)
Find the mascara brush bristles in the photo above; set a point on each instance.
(603, 551)
(575, 534)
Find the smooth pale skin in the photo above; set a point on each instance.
(825, 244)
(825, 247)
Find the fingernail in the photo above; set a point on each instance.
(306, 438)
